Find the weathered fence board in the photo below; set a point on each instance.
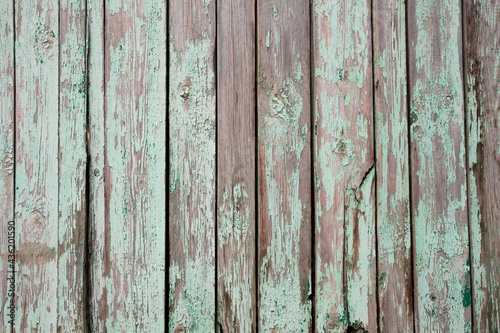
(6, 150)
(344, 166)
(72, 166)
(135, 112)
(392, 163)
(192, 115)
(438, 172)
(98, 265)
(37, 171)
(236, 293)
(482, 80)
(284, 166)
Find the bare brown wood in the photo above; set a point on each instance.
(192, 116)
(395, 292)
(284, 166)
(236, 213)
(344, 171)
(438, 170)
(482, 79)
(98, 267)
(7, 263)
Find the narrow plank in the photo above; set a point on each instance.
(72, 166)
(482, 73)
(6, 154)
(36, 165)
(236, 140)
(393, 192)
(284, 166)
(99, 268)
(130, 296)
(192, 121)
(344, 171)
(438, 171)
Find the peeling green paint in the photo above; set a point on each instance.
(344, 154)
(192, 181)
(438, 162)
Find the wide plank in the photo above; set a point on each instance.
(284, 166)
(344, 167)
(438, 170)
(395, 288)
(236, 140)
(482, 79)
(192, 162)
(36, 164)
(131, 263)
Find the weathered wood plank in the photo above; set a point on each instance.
(99, 267)
(438, 171)
(344, 166)
(395, 291)
(236, 140)
(482, 66)
(130, 295)
(72, 166)
(36, 165)
(6, 152)
(284, 166)
(192, 116)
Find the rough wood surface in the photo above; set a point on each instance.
(438, 170)
(98, 268)
(6, 150)
(37, 171)
(284, 166)
(395, 289)
(344, 170)
(72, 166)
(482, 79)
(192, 116)
(130, 295)
(236, 307)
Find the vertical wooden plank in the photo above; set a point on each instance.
(393, 191)
(6, 153)
(344, 166)
(131, 295)
(284, 166)
(438, 171)
(72, 166)
(36, 209)
(236, 142)
(482, 66)
(99, 265)
(192, 112)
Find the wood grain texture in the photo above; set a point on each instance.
(344, 171)
(284, 166)
(395, 288)
(37, 171)
(72, 166)
(482, 79)
(6, 153)
(192, 156)
(130, 293)
(98, 256)
(236, 106)
(438, 170)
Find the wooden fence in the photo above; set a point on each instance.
(322, 166)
